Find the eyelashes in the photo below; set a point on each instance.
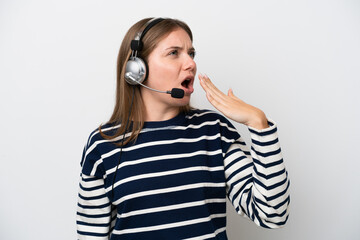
(176, 53)
(192, 54)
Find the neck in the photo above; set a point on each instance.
(153, 114)
(158, 106)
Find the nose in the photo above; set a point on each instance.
(189, 64)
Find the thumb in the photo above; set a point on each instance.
(230, 92)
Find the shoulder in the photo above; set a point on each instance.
(99, 133)
(214, 124)
(203, 114)
(96, 145)
(206, 115)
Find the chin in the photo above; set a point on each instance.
(181, 102)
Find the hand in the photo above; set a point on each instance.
(232, 107)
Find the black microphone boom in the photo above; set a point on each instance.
(175, 92)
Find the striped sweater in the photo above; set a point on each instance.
(173, 182)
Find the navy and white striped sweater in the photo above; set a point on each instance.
(173, 182)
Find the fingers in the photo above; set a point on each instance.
(231, 106)
(217, 98)
(210, 88)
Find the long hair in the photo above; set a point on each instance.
(124, 91)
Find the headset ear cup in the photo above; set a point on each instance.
(135, 71)
(146, 70)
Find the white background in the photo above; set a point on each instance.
(296, 60)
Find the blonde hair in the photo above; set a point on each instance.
(124, 91)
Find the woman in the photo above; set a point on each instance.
(166, 171)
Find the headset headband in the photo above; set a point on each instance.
(136, 44)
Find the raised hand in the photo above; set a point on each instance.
(232, 107)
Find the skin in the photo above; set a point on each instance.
(170, 63)
(232, 107)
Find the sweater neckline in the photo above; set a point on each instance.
(175, 120)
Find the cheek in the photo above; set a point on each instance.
(160, 71)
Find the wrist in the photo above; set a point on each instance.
(258, 121)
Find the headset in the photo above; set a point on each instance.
(136, 68)
(136, 71)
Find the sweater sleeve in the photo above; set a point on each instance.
(94, 210)
(256, 179)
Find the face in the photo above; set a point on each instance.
(171, 65)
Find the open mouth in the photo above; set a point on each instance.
(186, 83)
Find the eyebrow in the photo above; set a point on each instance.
(179, 48)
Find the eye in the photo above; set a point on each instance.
(173, 52)
(192, 54)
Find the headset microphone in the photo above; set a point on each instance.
(175, 92)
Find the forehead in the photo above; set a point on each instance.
(177, 37)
